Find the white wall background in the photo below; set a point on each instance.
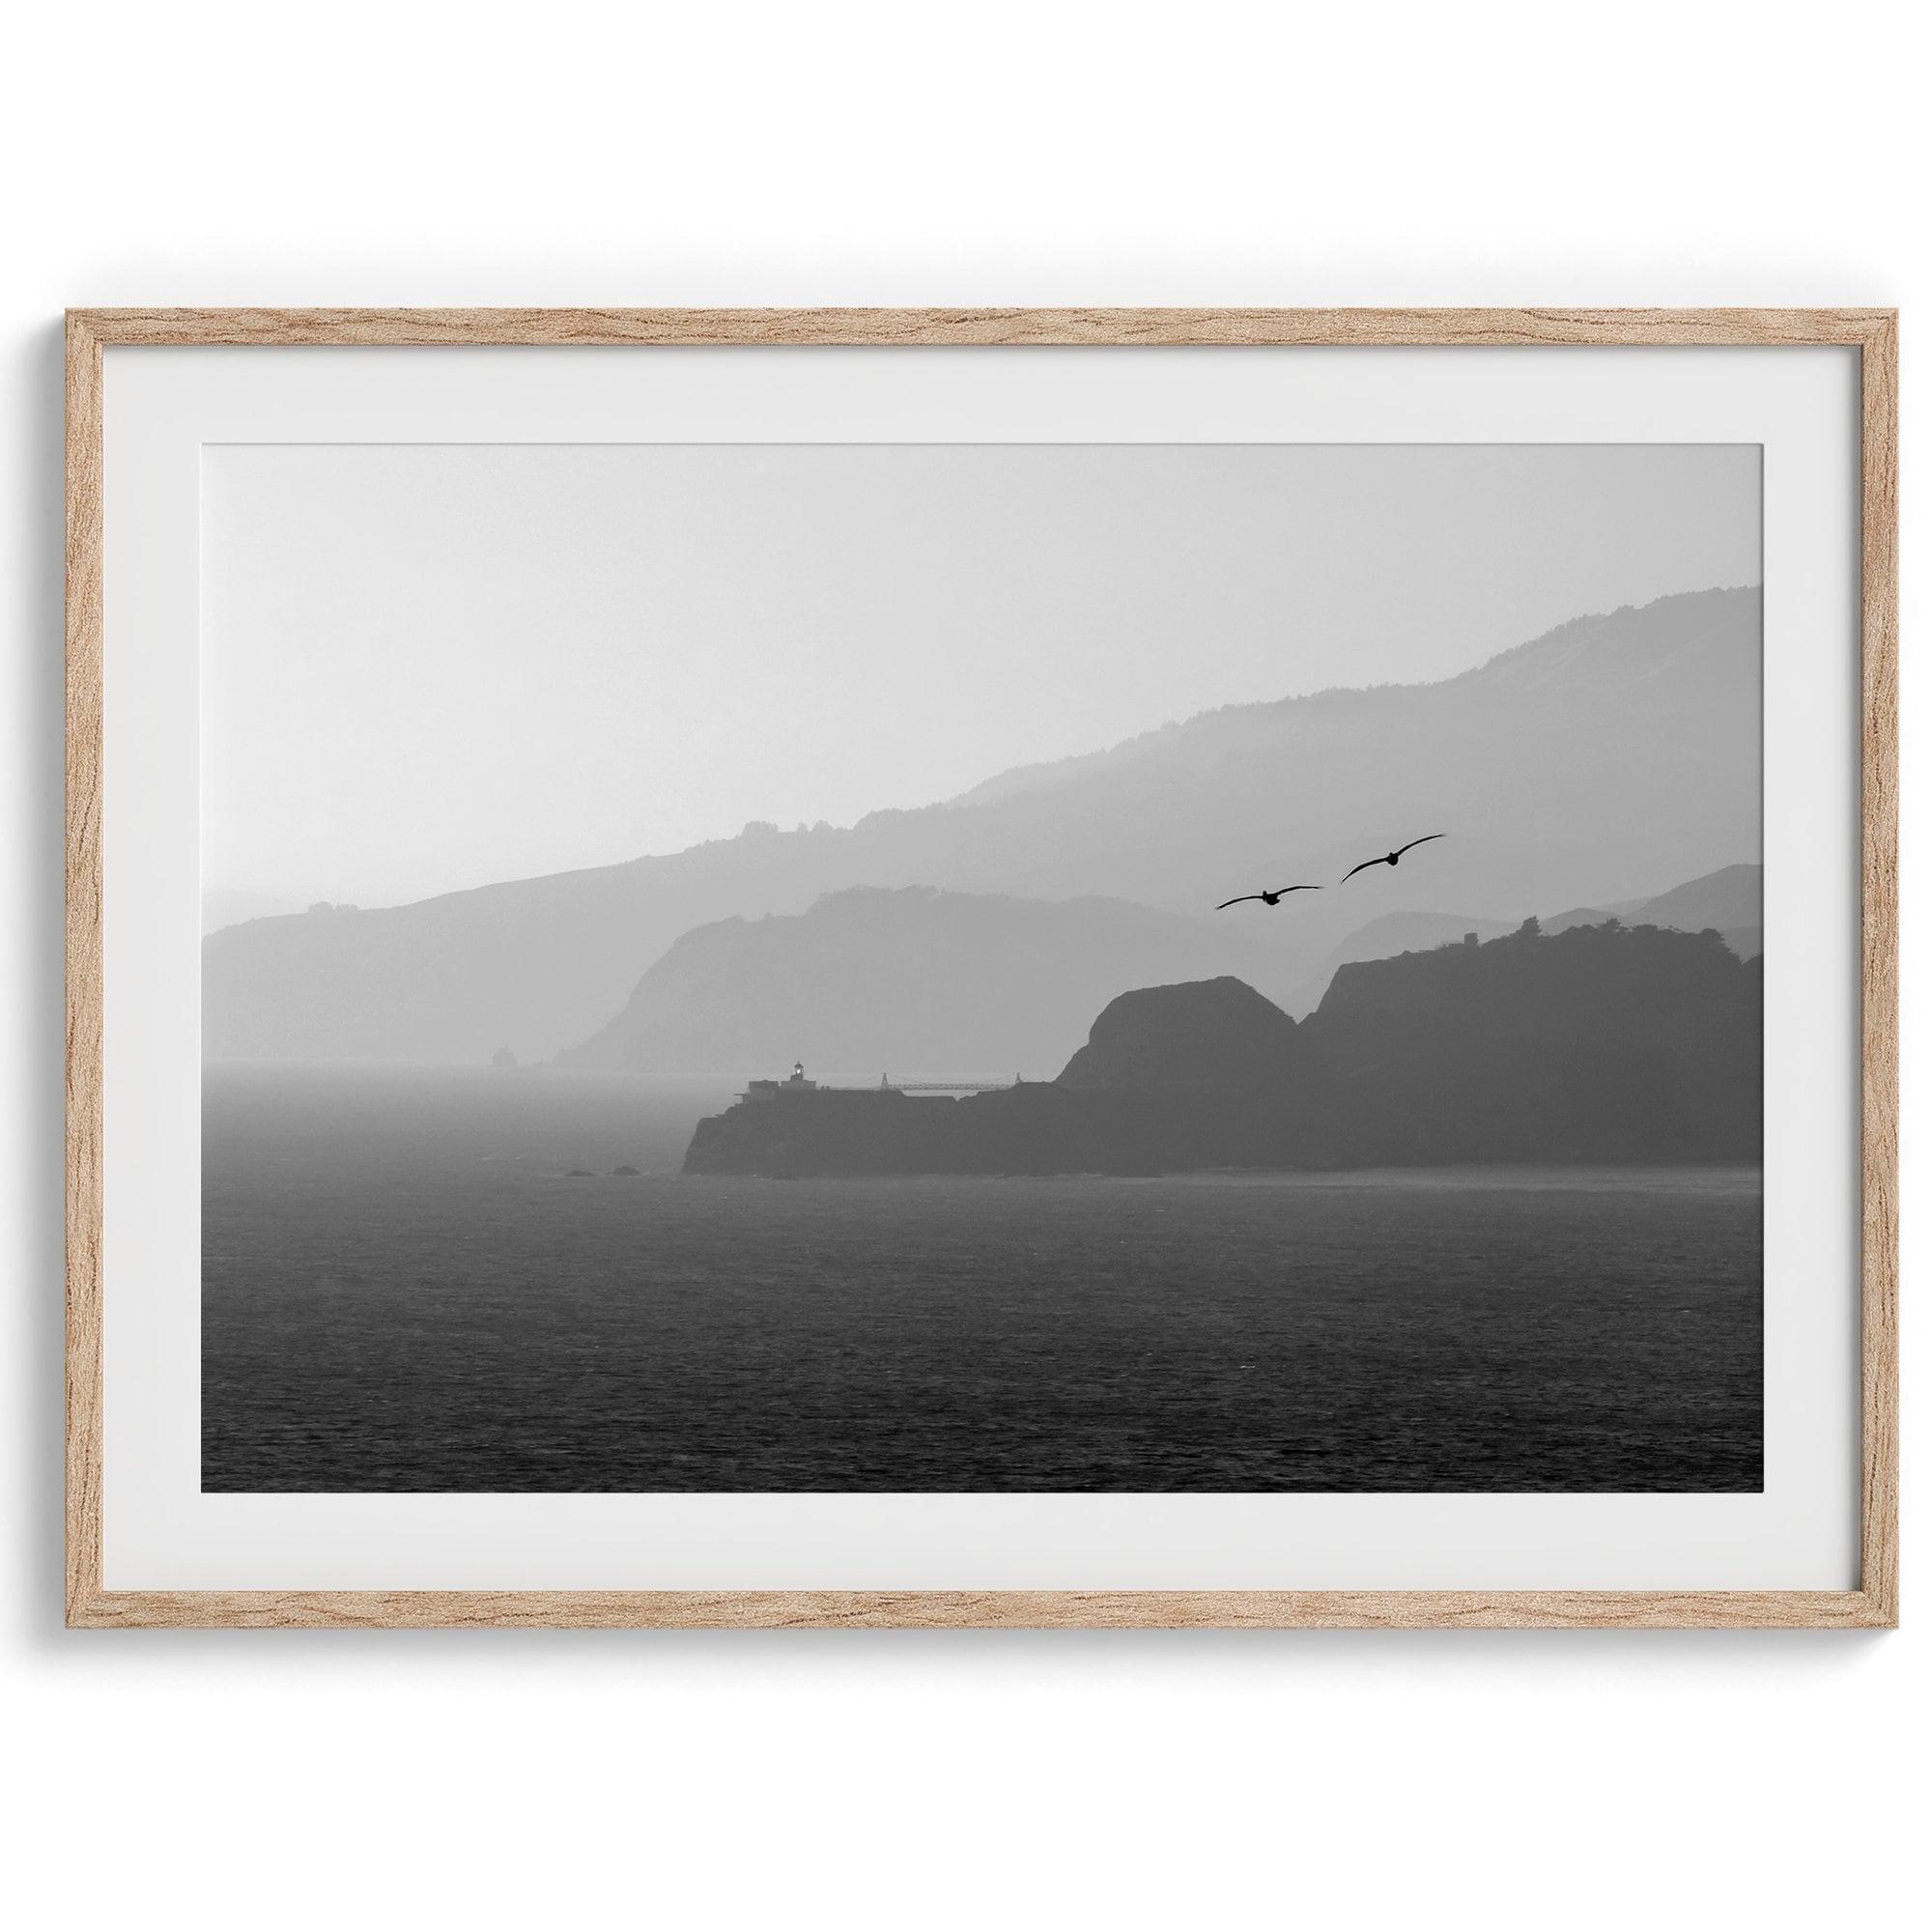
(837, 153)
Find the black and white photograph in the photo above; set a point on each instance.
(958, 969)
(1132, 967)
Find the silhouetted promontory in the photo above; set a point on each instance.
(1603, 1043)
(1212, 1033)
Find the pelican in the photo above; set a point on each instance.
(1391, 858)
(1274, 898)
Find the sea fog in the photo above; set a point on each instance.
(425, 1280)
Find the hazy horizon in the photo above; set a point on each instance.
(431, 668)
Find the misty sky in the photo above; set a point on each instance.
(426, 667)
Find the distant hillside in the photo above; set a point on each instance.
(1562, 922)
(1392, 934)
(1613, 751)
(220, 908)
(909, 981)
(1730, 900)
(1605, 1043)
(1602, 1043)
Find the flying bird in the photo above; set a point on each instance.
(1391, 858)
(1274, 898)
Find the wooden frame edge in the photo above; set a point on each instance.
(914, 327)
(1872, 332)
(1878, 604)
(84, 1064)
(983, 1610)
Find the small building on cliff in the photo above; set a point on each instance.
(769, 1090)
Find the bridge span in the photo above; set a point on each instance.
(948, 1086)
(762, 1090)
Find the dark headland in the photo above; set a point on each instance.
(1601, 1044)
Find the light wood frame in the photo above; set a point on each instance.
(1872, 332)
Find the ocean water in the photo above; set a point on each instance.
(406, 1287)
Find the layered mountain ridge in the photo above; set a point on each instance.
(908, 980)
(1581, 767)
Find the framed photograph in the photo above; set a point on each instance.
(1005, 968)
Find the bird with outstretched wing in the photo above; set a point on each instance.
(1274, 898)
(1391, 858)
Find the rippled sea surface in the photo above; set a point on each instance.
(405, 1286)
